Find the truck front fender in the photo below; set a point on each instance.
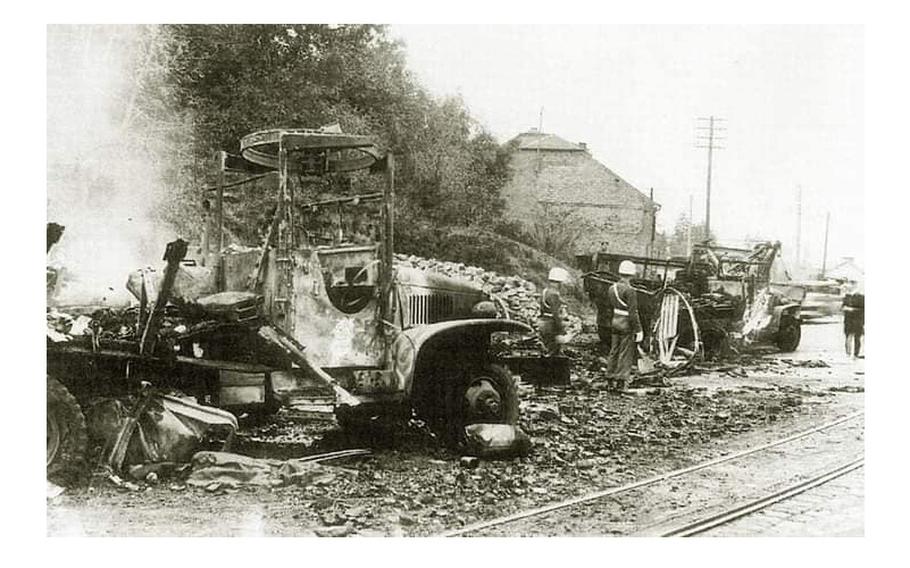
(778, 313)
(464, 334)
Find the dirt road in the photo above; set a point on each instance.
(585, 439)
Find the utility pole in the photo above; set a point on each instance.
(799, 224)
(709, 140)
(653, 225)
(539, 138)
(689, 230)
(825, 254)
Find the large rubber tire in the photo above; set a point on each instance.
(67, 435)
(788, 335)
(504, 383)
(457, 413)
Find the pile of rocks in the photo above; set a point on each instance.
(520, 296)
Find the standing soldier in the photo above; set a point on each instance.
(599, 290)
(625, 327)
(854, 320)
(552, 329)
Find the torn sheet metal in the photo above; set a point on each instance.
(168, 428)
(224, 469)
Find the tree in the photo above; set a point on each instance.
(228, 80)
(677, 244)
(555, 229)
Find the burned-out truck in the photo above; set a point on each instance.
(698, 304)
(319, 301)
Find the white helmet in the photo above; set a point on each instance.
(558, 274)
(627, 268)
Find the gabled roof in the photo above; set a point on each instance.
(533, 140)
(578, 179)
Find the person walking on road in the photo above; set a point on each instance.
(854, 321)
(625, 327)
(551, 326)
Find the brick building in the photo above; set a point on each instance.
(558, 184)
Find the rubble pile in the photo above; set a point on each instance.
(520, 296)
(583, 440)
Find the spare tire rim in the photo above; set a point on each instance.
(53, 439)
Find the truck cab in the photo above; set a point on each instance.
(395, 337)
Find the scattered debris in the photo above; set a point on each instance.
(157, 428)
(496, 440)
(121, 484)
(334, 532)
(233, 470)
(808, 363)
(53, 490)
(469, 462)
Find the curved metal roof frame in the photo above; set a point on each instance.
(343, 152)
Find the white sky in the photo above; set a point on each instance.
(792, 98)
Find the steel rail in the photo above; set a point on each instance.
(705, 524)
(597, 495)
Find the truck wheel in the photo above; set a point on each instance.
(66, 435)
(788, 335)
(485, 395)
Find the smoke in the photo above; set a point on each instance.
(103, 168)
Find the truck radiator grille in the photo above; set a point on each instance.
(428, 308)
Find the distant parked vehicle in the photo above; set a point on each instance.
(823, 299)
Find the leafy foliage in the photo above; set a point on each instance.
(554, 229)
(677, 243)
(221, 82)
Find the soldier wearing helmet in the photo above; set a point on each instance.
(550, 323)
(625, 326)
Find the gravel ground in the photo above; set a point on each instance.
(585, 438)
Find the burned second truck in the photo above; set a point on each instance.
(319, 301)
(704, 303)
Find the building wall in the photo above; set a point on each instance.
(584, 193)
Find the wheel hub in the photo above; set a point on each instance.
(483, 401)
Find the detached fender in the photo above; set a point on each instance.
(410, 343)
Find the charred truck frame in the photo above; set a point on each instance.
(320, 302)
(695, 305)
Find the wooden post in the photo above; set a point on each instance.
(708, 183)
(653, 225)
(173, 254)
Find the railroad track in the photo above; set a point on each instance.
(731, 514)
(612, 491)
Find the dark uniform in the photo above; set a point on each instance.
(550, 322)
(604, 313)
(624, 325)
(854, 322)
